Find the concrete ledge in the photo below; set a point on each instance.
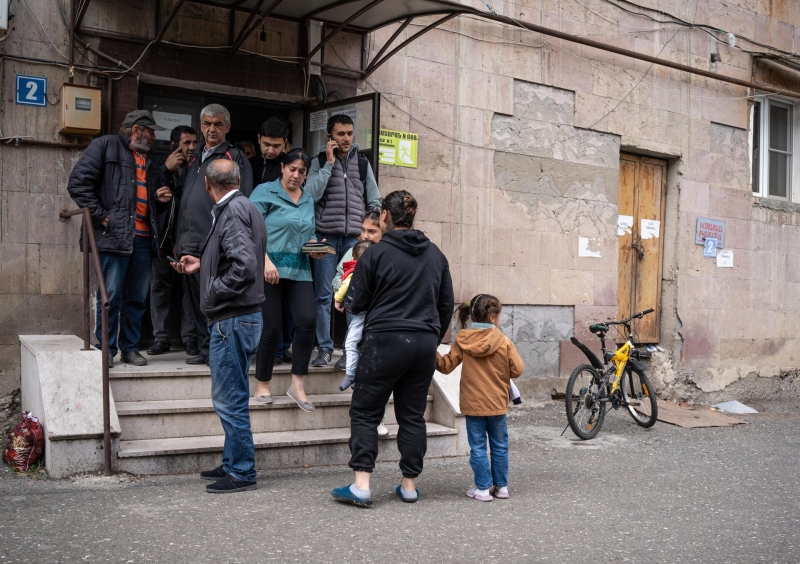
(62, 386)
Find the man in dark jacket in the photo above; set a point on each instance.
(122, 189)
(163, 279)
(231, 270)
(342, 184)
(194, 207)
(271, 142)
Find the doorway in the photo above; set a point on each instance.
(642, 192)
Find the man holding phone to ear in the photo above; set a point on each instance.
(163, 279)
(343, 187)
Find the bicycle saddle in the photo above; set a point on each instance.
(599, 328)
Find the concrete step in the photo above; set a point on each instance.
(168, 377)
(192, 418)
(281, 449)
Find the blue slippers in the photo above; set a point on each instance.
(344, 495)
(399, 491)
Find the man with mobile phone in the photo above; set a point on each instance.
(163, 279)
(343, 186)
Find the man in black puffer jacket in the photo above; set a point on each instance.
(123, 190)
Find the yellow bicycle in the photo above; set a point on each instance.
(619, 380)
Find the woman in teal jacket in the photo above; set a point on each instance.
(288, 213)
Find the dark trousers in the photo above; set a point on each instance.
(191, 288)
(399, 362)
(287, 330)
(163, 281)
(300, 298)
(127, 277)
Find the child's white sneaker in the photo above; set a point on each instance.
(480, 495)
(499, 493)
(383, 431)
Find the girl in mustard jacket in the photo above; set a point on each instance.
(490, 361)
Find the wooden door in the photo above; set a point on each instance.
(642, 183)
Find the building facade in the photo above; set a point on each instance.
(568, 180)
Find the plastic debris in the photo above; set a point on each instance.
(734, 407)
(25, 443)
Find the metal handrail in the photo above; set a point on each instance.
(90, 242)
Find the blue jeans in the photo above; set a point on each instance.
(127, 278)
(477, 430)
(324, 270)
(233, 343)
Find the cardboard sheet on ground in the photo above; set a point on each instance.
(694, 416)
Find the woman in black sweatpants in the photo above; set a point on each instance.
(403, 286)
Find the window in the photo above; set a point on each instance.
(772, 138)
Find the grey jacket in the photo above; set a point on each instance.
(232, 262)
(194, 205)
(341, 199)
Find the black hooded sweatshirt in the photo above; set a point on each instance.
(402, 283)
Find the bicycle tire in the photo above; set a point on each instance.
(639, 396)
(584, 414)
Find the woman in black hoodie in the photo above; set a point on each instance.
(403, 285)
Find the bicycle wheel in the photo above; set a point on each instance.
(585, 411)
(639, 397)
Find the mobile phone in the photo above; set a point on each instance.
(170, 259)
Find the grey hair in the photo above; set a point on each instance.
(216, 110)
(126, 131)
(223, 174)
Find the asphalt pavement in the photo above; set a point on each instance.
(664, 494)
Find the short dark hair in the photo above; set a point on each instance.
(359, 248)
(177, 132)
(295, 154)
(274, 127)
(344, 119)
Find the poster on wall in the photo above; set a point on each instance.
(318, 121)
(169, 121)
(398, 148)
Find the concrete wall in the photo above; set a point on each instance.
(520, 137)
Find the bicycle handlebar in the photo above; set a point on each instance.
(634, 316)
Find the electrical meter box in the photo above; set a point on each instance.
(80, 109)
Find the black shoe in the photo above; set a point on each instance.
(216, 474)
(341, 364)
(159, 347)
(191, 350)
(111, 361)
(287, 357)
(133, 358)
(278, 359)
(199, 359)
(323, 358)
(229, 484)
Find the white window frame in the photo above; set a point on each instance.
(793, 188)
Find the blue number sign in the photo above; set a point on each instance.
(31, 90)
(710, 247)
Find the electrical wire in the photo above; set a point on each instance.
(44, 31)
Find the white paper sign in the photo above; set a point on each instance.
(725, 258)
(588, 247)
(650, 229)
(624, 225)
(170, 122)
(318, 121)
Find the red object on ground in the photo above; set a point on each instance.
(25, 443)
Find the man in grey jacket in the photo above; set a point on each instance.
(232, 289)
(343, 186)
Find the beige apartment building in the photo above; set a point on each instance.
(576, 183)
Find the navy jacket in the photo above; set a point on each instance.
(104, 180)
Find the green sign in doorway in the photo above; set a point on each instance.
(398, 148)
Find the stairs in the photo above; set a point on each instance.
(168, 424)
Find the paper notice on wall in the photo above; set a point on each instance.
(318, 121)
(170, 121)
(725, 258)
(589, 247)
(650, 229)
(624, 225)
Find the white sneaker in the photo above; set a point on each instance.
(383, 431)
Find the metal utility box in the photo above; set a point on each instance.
(80, 109)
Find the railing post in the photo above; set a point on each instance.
(86, 308)
(106, 398)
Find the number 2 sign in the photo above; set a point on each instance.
(31, 90)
